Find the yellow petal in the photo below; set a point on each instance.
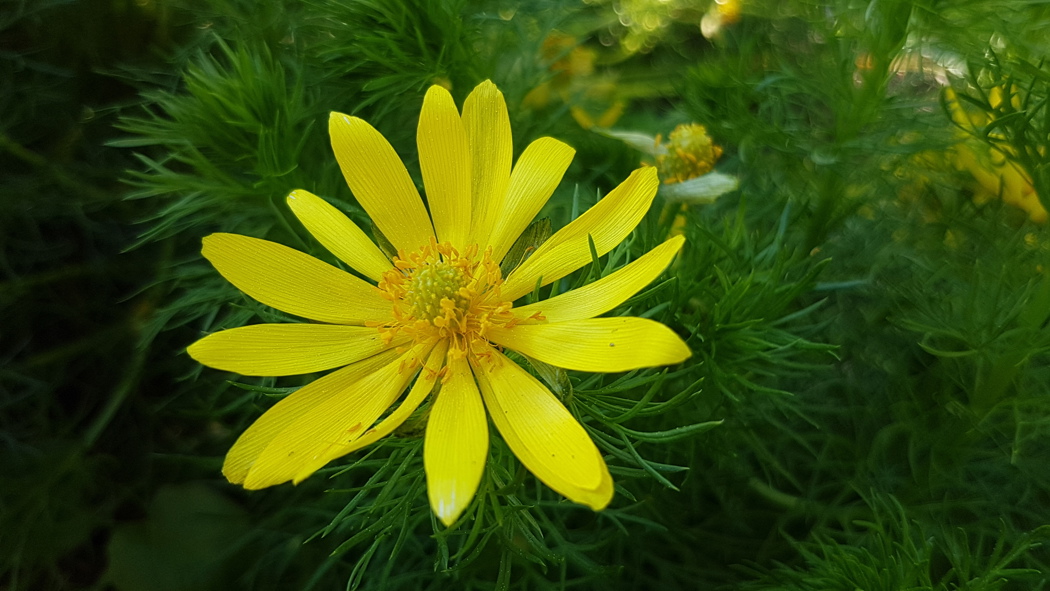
(294, 282)
(541, 432)
(608, 292)
(380, 182)
(532, 182)
(456, 444)
(607, 223)
(254, 440)
(444, 160)
(959, 115)
(596, 344)
(338, 234)
(287, 349)
(325, 431)
(491, 153)
(424, 384)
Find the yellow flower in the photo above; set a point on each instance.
(994, 169)
(438, 315)
(573, 82)
(689, 153)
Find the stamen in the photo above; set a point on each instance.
(442, 293)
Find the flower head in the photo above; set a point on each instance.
(994, 167)
(434, 320)
(688, 153)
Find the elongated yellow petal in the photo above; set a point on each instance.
(444, 159)
(541, 432)
(380, 182)
(294, 282)
(287, 349)
(532, 182)
(338, 234)
(491, 153)
(456, 444)
(423, 386)
(325, 431)
(608, 292)
(607, 223)
(254, 440)
(596, 344)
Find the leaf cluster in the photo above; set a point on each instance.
(866, 405)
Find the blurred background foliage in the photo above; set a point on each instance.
(868, 403)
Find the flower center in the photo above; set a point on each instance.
(441, 293)
(690, 153)
(434, 292)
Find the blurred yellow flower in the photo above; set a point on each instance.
(719, 14)
(438, 315)
(641, 25)
(574, 83)
(995, 171)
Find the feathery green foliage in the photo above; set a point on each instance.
(867, 405)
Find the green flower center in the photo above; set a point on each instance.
(435, 289)
(439, 293)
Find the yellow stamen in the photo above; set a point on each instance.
(439, 293)
(690, 153)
